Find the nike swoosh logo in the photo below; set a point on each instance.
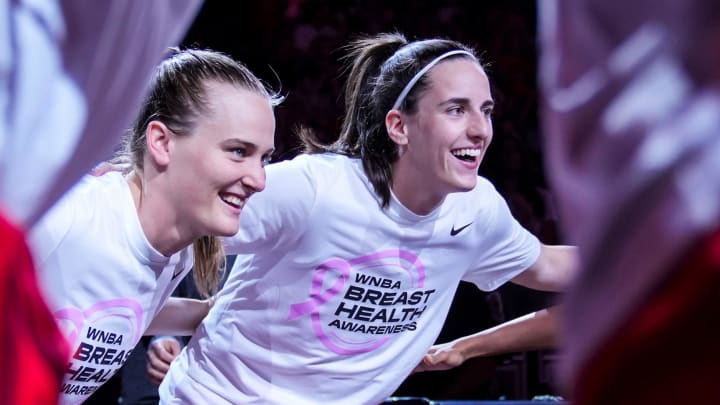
(175, 274)
(454, 231)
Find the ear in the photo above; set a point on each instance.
(157, 137)
(396, 127)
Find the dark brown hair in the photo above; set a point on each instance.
(378, 68)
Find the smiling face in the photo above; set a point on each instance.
(443, 142)
(220, 164)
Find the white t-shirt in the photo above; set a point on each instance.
(334, 300)
(103, 281)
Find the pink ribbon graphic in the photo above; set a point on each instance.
(409, 262)
(125, 308)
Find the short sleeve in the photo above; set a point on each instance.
(507, 248)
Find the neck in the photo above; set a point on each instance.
(157, 219)
(412, 192)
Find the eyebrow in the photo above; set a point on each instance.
(465, 101)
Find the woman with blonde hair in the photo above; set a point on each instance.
(348, 262)
(115, 247)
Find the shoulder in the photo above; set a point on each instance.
(99, 193)
(90, 198)
(313, 168)
(316, 161)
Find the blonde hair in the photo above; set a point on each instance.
(210, 266)
(177, 97)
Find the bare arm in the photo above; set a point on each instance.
(552, 271)
(538, 330)
(179, 317)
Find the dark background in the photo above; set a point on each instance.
(294, 46)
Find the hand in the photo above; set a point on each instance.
(441, 357)
(106, 167)
(160, 354)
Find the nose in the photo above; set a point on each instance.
(480, 126)
(254, 177)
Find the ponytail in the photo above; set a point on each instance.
(378, 69)
(209, 264)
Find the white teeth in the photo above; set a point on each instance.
(467, 152)
(231, 199)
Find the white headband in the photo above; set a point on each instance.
(422, 71)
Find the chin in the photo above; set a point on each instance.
(466, 184)
(228, 228)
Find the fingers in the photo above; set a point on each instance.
(442, 360)
(426, 364)
(105, 167)
(101, 169)
(159, 356)
(154, 375)
(440, 357)
(171, 349)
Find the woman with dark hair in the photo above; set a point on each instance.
(115, 247)
(349, 260)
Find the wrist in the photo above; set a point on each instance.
(472, 346)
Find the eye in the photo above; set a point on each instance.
(455, 110)
(240, 152)
(488, 111)
(266, 160)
